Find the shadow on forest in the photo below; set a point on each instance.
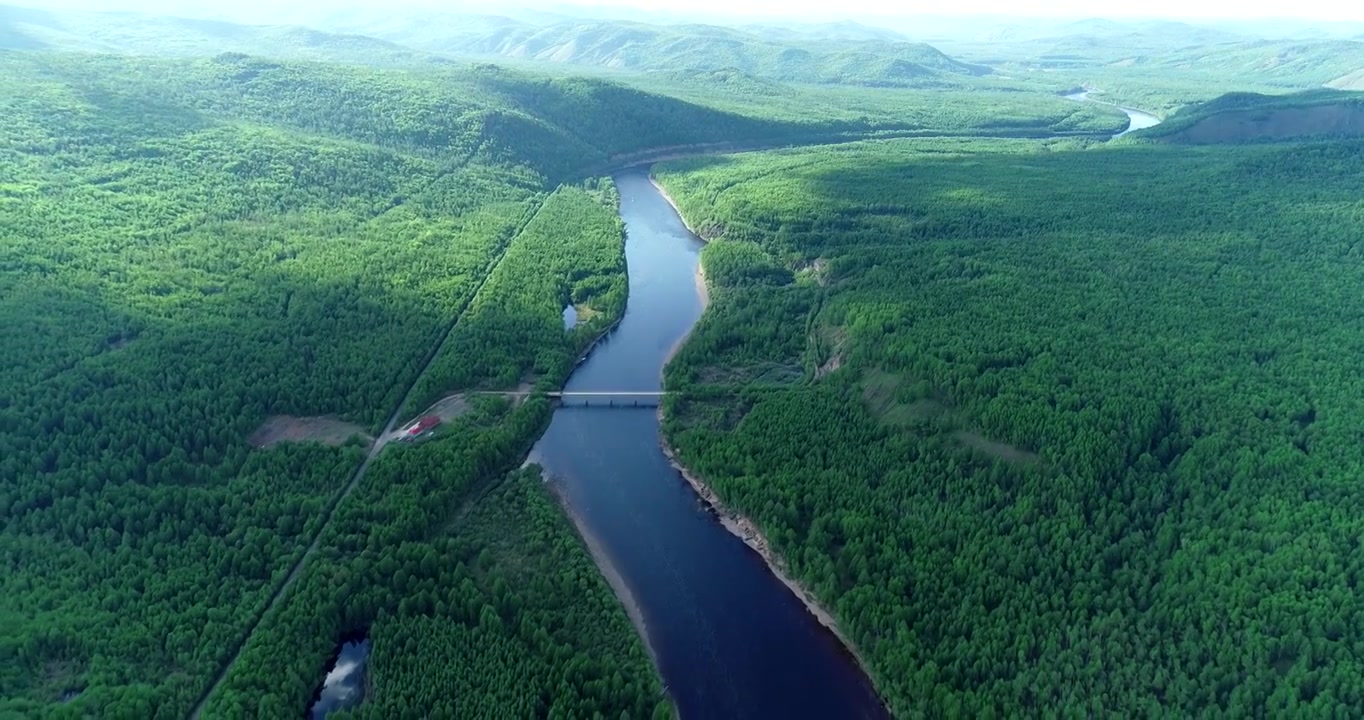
(1128, 189)
(13, 34)
(1011, 265)
(132, 118)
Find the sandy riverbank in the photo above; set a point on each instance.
(661, 191)
(608, 570)
(737, 524)
(702, 288)
(740, 526)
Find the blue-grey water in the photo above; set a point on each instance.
(731, 640)
(1136, 119)
(344, 685)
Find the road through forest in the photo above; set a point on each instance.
(359, 474)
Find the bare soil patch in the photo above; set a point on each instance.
(832, 340)
(829, 366)
(715, 413)
(818, 269)
(449, 408)
(880, 392)
(454, 406)
(585, 312)
(324, 429)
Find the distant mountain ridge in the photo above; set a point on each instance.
(1291, 62)
(848, 53)
(828, 53)
(128, 33)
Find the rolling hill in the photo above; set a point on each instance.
(844, 53)
(1252, 117)
(126, 33)
(830, 53)
(1288, 63)
(1086, 43)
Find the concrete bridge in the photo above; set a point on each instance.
(619, 399)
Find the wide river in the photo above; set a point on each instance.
(730, 639)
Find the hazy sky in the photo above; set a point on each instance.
(794, 9)
(1222, 9)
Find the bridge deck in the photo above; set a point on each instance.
(604, 398)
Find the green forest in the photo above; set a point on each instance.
(192, 247)
(1045, 435)
(1050, 424)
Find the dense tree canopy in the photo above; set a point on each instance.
(193, 247)
(1074, 428)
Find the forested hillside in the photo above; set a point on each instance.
(751, 83)
(430, 39)
(1043, 434)
(191, 248)
(29, 28)
(1167, 82)
(870, 59)
(1040, 434)
(1251, 117)
(1162, 66)
(473, 600)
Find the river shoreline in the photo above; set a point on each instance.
(664, 193)
(608, 570)
(736, 523)
(702, 286)
(1136, 119)
(746, 530)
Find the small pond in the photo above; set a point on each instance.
(344, 685)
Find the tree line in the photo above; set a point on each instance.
(1089, 444)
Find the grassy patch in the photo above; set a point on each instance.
(765, 373)
(998, 450)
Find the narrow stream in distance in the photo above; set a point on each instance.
(1137, 119)
(731, 640)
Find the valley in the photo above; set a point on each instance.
(781, 370)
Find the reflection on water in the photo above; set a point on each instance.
(731, 640)
(570, 317)
(344, 686)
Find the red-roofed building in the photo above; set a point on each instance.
(422, 425)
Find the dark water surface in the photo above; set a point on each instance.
(344, 686)
(731, 640)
